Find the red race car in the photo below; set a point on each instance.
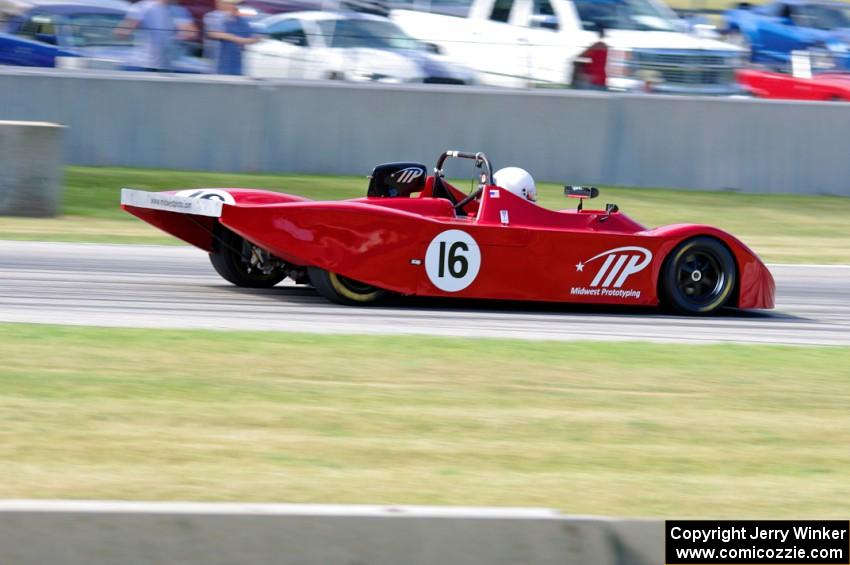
(415, 234)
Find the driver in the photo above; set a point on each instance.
(517, 181)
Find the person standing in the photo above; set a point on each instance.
(227, 34)
(159, 26)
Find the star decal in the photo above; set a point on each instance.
(580, 267)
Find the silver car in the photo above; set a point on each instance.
(346, 46)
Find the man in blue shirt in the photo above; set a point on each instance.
(227, 34)
(159, 25)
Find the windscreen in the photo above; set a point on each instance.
(823, 16)
(446, 7)
(374, 34)
(89, 30)
(641, 15)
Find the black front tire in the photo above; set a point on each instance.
(231, 260)
(698, 276)
(342, 290)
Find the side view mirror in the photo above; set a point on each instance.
(581, 192)
(609, 209)
(433, 48)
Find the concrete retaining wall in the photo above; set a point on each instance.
(31, 164)
(107, 533)
(235, 124)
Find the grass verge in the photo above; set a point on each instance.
(781, 228)
(616, 428)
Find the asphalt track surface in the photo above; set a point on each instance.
(175, 287)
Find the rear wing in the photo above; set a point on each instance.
(209, 207)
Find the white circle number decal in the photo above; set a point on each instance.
(452, 260)
(208, 194)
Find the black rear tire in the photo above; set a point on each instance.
(231, 260)
(698, 276)
(342, 290)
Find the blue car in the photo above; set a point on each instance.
(772, 31)
(46, 32)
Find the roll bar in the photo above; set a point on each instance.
(479, 158)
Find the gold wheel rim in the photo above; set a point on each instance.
(343, 289)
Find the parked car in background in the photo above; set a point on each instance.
(259, 9)
(538, 42)
(806, 81)
(82, 34)
(346, 46)
(770, 84)
(772, 31)
(252, 9)
(10, 9)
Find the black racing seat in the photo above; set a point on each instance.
(440, 190)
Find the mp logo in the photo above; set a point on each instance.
(409, 174)
(619, 265)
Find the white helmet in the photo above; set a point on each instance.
(518, 181)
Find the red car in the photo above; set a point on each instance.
(820, 86)
(415, 234)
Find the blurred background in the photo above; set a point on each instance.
(777, 49)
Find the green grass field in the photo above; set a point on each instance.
(614, 429)
(781, 228)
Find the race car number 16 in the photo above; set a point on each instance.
(452, 260)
